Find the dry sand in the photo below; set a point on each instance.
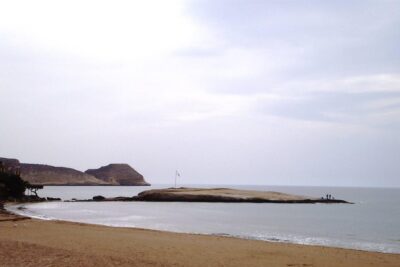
(31, 242)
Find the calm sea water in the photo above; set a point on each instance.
(372, 223)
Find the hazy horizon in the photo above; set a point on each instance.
(226, 92)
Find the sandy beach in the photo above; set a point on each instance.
(31, 242)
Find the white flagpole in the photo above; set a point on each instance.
(176, 174)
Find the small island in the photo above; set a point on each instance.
(184, 194)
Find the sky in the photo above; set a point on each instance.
(226, 92)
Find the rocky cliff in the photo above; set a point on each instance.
(50, 175)
(118, 174)
(10, 165)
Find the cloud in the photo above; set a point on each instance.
(98, 30)
(309, 39)
(278, 92)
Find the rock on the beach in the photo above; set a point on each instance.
(98, 198)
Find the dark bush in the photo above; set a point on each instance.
(11, 185)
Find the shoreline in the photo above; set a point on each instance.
(23, 217)
(34, 242)
(238, 237)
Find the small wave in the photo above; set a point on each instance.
(21, 209)
(317, 241)
(222, 234)
(134, 220)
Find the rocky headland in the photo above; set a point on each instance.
(40, 174)
(118, 174)
(50, 175)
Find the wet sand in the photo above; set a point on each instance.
(31, 242)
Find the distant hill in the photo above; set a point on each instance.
(50, 175)
(118, 174)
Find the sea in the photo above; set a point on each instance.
(372, 223)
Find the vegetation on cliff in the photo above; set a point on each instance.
(12, 186)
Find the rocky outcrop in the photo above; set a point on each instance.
(9, 165)
(215, 195)
(113, 174)
(225, 195)
(118, 174)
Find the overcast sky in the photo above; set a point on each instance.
(227, 92)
